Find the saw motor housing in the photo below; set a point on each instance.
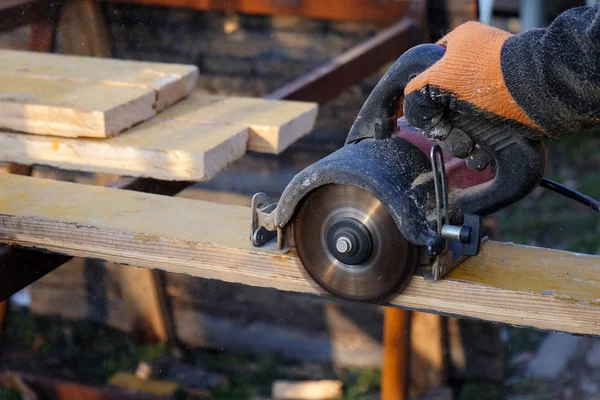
(442, 222)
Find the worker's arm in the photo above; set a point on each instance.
(543, 82)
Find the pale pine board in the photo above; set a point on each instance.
(176, 144)
(47, 107)
(506, 283)
(160, 149)
(274, 124)
(170, 82)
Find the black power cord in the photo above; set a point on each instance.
(570, 193)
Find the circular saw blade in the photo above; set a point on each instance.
(389, 263)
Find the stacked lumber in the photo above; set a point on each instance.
(126, 118)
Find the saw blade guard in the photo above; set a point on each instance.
(388, 169)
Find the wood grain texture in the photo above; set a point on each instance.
(66, 108)
(190, 141)
(507, 283)
(170, 82)
(274, 125)
(169, 150)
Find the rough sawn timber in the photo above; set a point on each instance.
(274, 124)
(170, 82)
(506, 283)
(160, 149)
(191, 141)
(47, 107)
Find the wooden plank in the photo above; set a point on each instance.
(161, 149)
(190, 141)
(73, 109)
(274, 125)
(171, 82)
(507, 283)
(348, 10)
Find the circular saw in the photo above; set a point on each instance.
(389, 202)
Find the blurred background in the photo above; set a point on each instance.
(80, 324)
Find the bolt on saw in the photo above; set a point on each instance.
(390, 203)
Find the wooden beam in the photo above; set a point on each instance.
(386, 11)
(506, 283)
(352, 66)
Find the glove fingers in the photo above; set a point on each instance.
(458, 143)
(421, 111)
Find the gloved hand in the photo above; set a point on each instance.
(467, 80)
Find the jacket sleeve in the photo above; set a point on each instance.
(554, 73)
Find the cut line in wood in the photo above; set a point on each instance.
(506, 283)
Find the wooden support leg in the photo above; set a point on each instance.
(83, 29)
(396, 354)
(147, 304)
(428, 366)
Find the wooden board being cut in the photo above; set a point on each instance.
(170, 82)
(191, 140)
(506, 283)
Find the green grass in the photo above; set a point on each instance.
(360, 383)
(9, 394)
(550, 220)
(481, 390)
(93, 351)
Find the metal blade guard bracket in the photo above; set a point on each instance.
(400, 182)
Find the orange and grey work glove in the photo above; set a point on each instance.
(467, 80)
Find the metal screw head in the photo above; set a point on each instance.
(343, 245)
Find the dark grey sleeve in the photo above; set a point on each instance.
(554, 73)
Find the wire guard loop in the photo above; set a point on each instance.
(439, 180)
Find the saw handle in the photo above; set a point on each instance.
(519, 162)
(519, 165)
(377, 116)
